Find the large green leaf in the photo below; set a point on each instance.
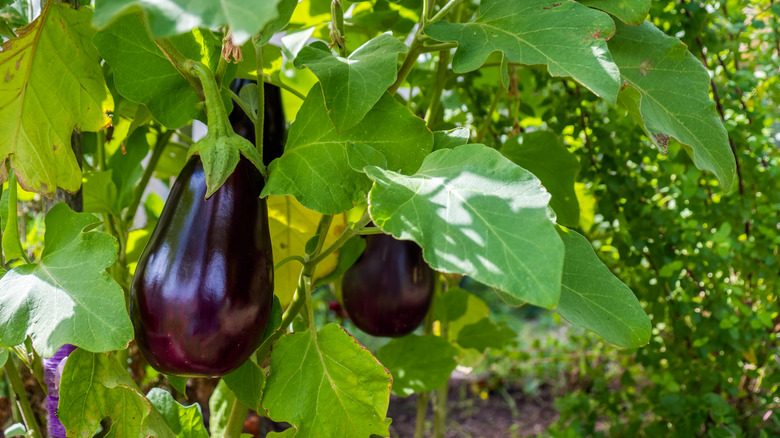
(184, 421)
(671, 98)
(485, 334)
(418, 363)
(67, 297)
(95, 386)
(569, 38)
(247, 383)
(327, 386)
(315, 168)
(353, 85)
(474, 212)
(629, 11)
(592, 297)
(51, 81)
(542, 154)
(143, 74)
(285, 10)
(245, 17)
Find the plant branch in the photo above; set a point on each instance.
(21, 395)
(438, 47)
(441, 76)
(259, 119)
(178, 60)
(236, 419)
(283, 86)
(249, 113)
(489, 118)
(356, 228)
(159, 146)
(444, 11)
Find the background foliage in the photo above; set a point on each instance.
(701, 258)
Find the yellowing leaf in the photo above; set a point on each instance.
(51, 81)
(292, 225)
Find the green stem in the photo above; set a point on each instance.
(408, 64)
(489, 118)
(221, 69)
(179, 62)
(337, 26)
(101, 152)
(356, 228)
(249, 113)
(283, 86)
(444, 11)
(287, 318)
(218, 122)
(441, 76)
(422, 412)
(438, 47)
(289, 259)
(18, 387)
(236, 419)
(11, 239)
(260, 89)
(159, 146)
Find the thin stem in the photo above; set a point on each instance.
(249, 113)
(290, 259)
(287, 318)
(101, 152)
(24, 403)
(236, 419)
(438, 47)
(260, 89)
(221, 69)
(441, 76)
(422, 412)
(356, 228)
(370, 230)
(283, 86)
(179, 61)
(408, 64)
(13, 242)
(486, 124)
(337, 27)
(159, 146)
(444, 11)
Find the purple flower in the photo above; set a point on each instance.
(52, 373)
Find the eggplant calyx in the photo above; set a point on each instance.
(219, 150)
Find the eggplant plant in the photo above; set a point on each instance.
(426, 135)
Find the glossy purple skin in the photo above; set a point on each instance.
(388, 291)
(203, 289)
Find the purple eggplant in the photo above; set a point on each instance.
(203, 288)
(388, 290)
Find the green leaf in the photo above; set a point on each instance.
(143, 74)
(3, 355)
(629, 11)
(285, 10)
(451, 305)
(16, 429)
(12, 245)
(179, 383)
(542, 154)
(671, 91)
(220, 404)
(99, 191)
(418, 363)
(474, 212)
(127, 168)
(450, 139)
(68, 297)
(360, 155)
(592, 297)
(52, 82)
(569, 38)
(327, 386)
(184, 421)
(353, 85)
(247, 383)
(95, 386)
(485, 334)
(244, 17)
(314, 167)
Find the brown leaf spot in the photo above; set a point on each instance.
(644, 67)
(54, 147)
(19, 62)
(596, 35)
(662, 141)
(8, 76)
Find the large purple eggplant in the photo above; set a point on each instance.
(203, 288)
(388, 291)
